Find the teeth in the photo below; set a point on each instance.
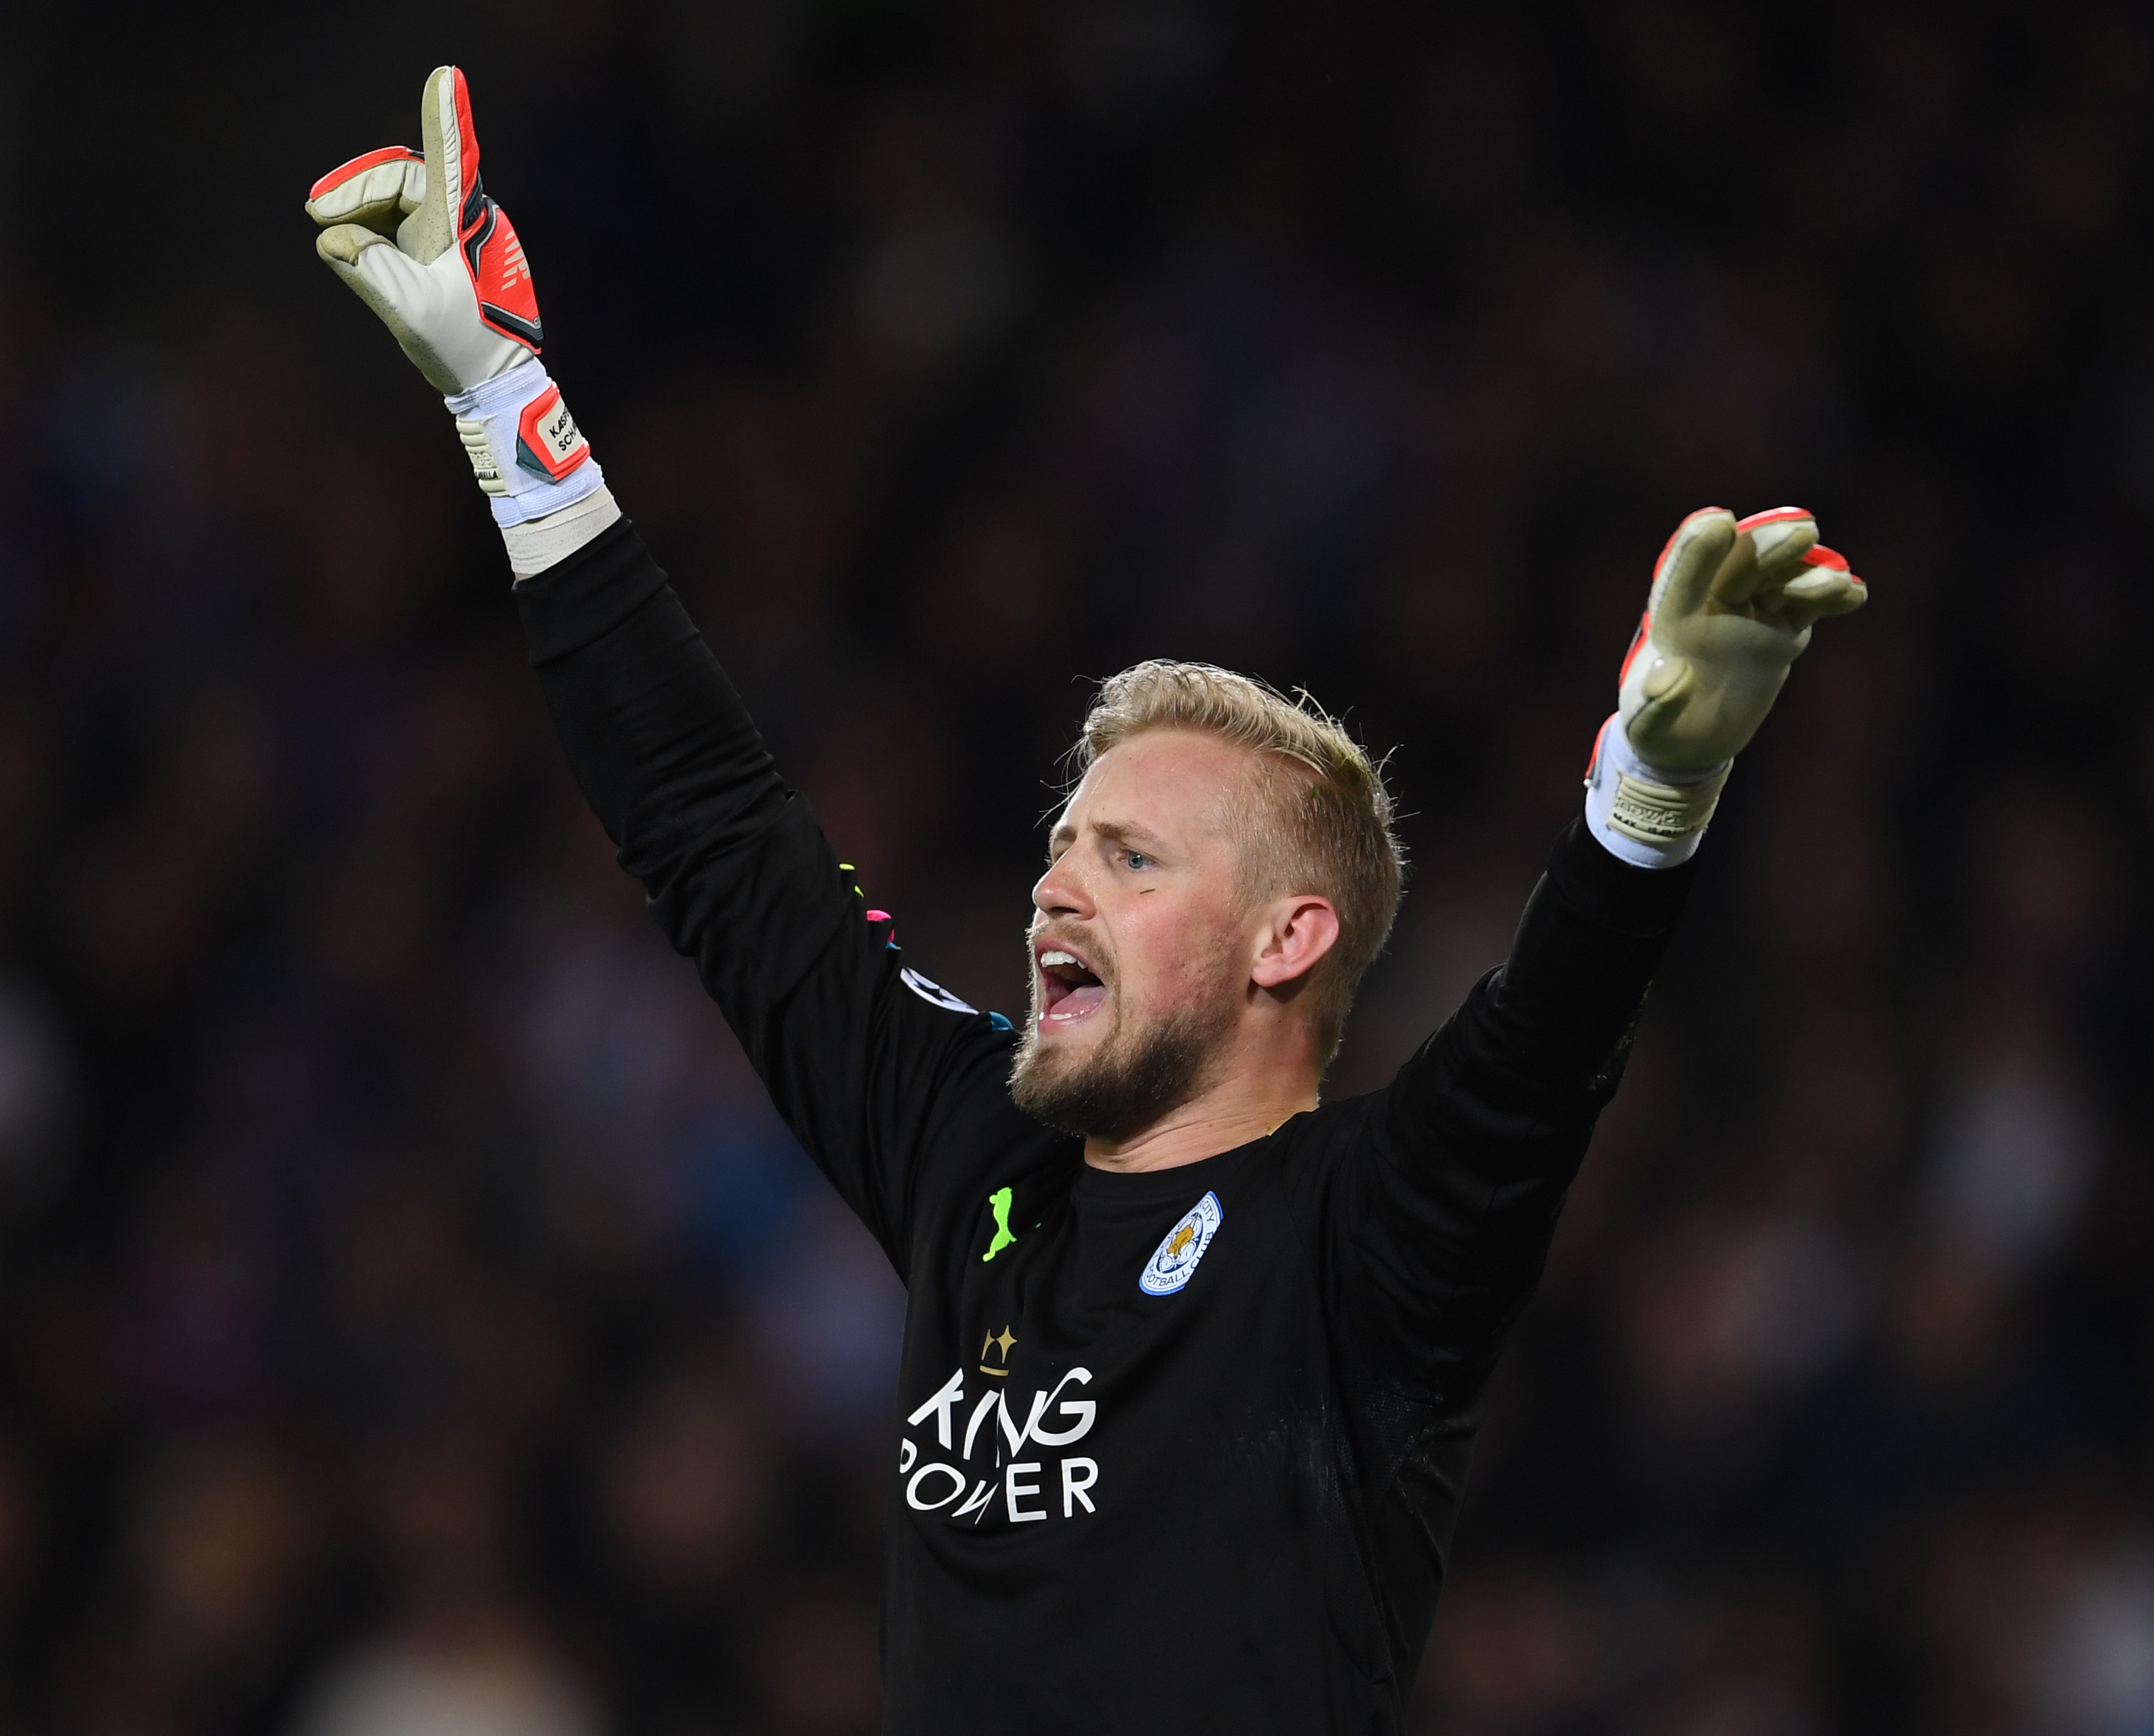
(1048, 959)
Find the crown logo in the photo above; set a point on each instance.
(1001, 1343)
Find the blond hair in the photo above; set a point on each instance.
(1330, 830)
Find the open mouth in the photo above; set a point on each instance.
(1070, 989)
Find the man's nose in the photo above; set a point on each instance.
(1061, 891)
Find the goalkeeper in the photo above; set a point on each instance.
(1192, 1362)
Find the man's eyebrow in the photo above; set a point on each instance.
(1114, 831)
(1122, 831)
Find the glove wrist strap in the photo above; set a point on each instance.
(530, 458)
(1647, 817)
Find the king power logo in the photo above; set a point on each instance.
(981, 1458)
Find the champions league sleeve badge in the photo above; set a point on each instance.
(934, 993)
(1169, 1268)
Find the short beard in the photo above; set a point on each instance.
(1133, 1078)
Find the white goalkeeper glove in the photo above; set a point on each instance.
(417, 239)
(1732, 607)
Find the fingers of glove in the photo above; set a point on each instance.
(451, 149)
(1687, 564)
(1769, 548)
(1774, 531)
(376, 190)
(404, 294)
(1822, 587)
(375, 270)
(1825, 572)
(430, 229)
(342, 246)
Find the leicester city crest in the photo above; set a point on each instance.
(1168, 1269)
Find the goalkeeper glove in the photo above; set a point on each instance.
(416, 236)
(1732, 607)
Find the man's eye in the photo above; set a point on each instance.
(1136, 858)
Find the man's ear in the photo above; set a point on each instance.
(1298, 932)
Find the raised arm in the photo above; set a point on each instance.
(863, 1057)
(1438, 1238)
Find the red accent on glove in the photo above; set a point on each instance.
(361, 165)
(547, 431)
(1638, 644)
(1776, 515)
(500, 274)
(467, 141)
(1600, 735)
(503, 278)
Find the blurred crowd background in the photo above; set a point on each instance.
(413, 1322)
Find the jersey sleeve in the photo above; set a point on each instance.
(864, 1058)
(1440, 1211)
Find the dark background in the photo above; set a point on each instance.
(410, 1319)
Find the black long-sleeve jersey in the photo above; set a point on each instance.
(1175, 1451)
